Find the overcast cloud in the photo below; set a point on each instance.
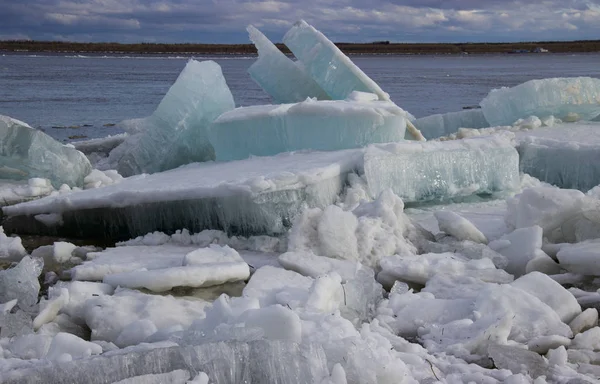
(224, 21)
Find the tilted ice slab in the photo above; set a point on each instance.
(566, 155)
(442, 170)
(260, 195)
(175, 133)
(266, 130)
(445, 124)
(26, 153)
(569, 99)
(283, 79)
(327, 64)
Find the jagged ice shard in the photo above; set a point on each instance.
(443, 170)
(327, 65)
(266, 130)
(26, 153)
(569, 99)
(283, 79)
(445, 124)
(175, 134)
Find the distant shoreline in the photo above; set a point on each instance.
(375, 48)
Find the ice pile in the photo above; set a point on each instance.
(27, 153)
(176, 133)
(283, 79)
(318, 125)
(569, 99)
(441, 170)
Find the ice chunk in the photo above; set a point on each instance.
(330, 68)
(420, 268)
(581, 257)
(72, 346)
(518, 360)
(520, 247)
(445, 124)
(21, 283)
(175, 133)
(255, 362)
(201, 268)
(455, 225)
(11, 247)
(283, 79)
(27, 153)
(266, 130)
(442, 170)
(179, 376)
(261, 195)
(551, 293)
(574, 98)
(566, 155)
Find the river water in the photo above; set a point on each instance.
(89, 93)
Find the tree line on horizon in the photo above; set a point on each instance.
(379, 47)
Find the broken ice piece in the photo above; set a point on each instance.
(266, 130)
(455, 225)
(201, 268)
(330, 68)
(175, 134)
(283, 79)
(439, 125)
(21, 283)
(570, 98)
(27, 153)
(443, 170)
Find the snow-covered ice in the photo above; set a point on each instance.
(569, 99)
(265, 130)
(27, 153)
(284, 80)
(175, 134)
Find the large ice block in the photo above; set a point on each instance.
(175, 134)
(283, 79)
(569, 98)
(444, 124)
(255, 362)
(327, 64)
(26, 153)
(260, 195)
(442, 170)
(266, 130)
(567, 155)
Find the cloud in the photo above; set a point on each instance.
(223, 21)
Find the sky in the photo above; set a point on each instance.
(224, 21)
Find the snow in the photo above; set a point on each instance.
(327, 65)
(566, 98)
(443, 170)
(266, 130)
(28, 153)
(283, 79)
(175, 134)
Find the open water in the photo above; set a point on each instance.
(74, 96)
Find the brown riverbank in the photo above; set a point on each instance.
(349, 48)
